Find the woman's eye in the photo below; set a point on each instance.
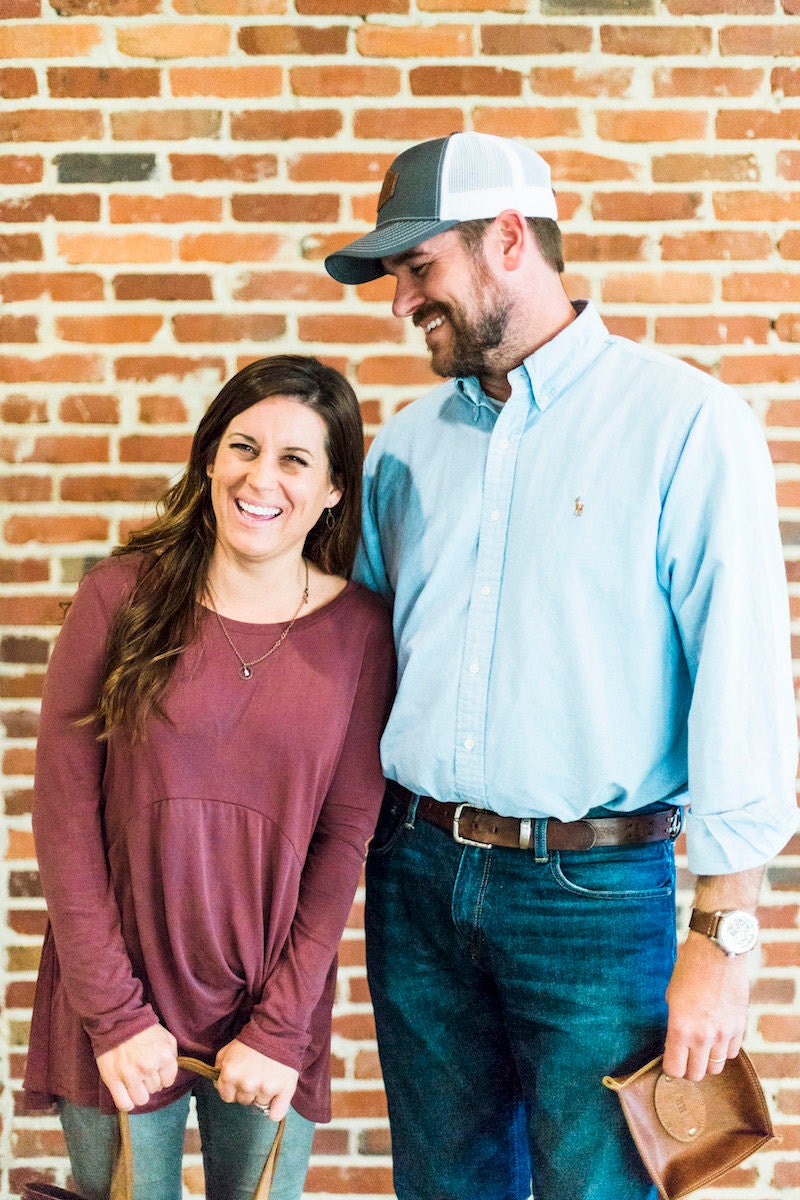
(243, 446)
(296, 460)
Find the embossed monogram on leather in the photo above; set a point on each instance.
(680, 1107)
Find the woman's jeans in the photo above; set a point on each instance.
(504, 989)
(236, 1140)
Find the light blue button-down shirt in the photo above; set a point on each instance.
(589, 597)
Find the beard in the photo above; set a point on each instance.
(473, 336)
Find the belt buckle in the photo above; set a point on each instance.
(675, 823)
(463, 841)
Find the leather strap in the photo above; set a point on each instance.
(122, 1183)
(480, 827)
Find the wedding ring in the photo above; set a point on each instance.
(717, 1060)
(262, 1108)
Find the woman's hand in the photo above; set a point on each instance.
(138, 1068)
(251, 1078)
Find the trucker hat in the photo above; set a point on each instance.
(434, 185)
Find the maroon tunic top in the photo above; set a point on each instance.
(202, 877)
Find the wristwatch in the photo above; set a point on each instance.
(734, 929)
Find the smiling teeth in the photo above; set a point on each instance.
(258, 510)
(434, 324)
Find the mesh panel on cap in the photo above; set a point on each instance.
(472, 165)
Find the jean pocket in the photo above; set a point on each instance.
(393, 813)
(617, 872)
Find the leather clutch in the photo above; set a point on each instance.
(689, 1134)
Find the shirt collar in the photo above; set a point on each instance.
(555, 366)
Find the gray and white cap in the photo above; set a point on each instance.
(434, 185)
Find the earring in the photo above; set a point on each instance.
(330, 520)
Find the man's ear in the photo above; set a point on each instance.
(511, 230)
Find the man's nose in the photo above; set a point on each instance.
(406, 298)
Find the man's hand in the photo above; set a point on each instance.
(138, 1068)
(248, 1077)
(707, 998)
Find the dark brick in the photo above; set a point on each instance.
(105, 168)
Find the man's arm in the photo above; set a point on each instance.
(709, 992)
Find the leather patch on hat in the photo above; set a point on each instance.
(389, 188)
(681, 1108)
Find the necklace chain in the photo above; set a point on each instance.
(246, 668)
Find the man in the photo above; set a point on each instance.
(579, 539)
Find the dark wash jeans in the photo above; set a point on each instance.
(504, 990)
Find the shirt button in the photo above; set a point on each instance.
(486, 590)
(504, 444)
(469, 744)
(495, 516)
(474, 668)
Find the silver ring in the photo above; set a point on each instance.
(717, 1060)
(262, 1108)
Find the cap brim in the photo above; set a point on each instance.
(361, 260)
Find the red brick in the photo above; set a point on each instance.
(276, 125)
(229, 247)
(286, 206)
(20, 9)
(49, 40)
(649, 41)
(19, 329)
(20, 247)
(225, 8)
(764, 368)
(712, 331)
(702, 8)
(150, 448)
(756, 206)
(101, 489)
(344, 80)
(287, 285)
(758, 124)
(583, 80)
(612, 247)
(24, 570)
(21, 168)
(789, 245)
(658, 287)
(173, 41)
(407, 124)
(162, 410)
(687, 168)
(166, 210)
(362, 1179)
(56, 368)
(100, 330)
(25, 489)
(716, 244)
(528, 122)
(55, 529)
(654, 125)
(146, 370)
(787, 327)
(67, 285)
(760, 41)
(24, 410)
(281, 40)
(544, 39)
(318, 168)
(47, 125)
(216, 327)
(163, 287)
(105, 8)
(350, 8)
(767, 286)
(114, 248)
(707, 81)
(645, 206)
(244, 168)
(89, 410)
(103, 82)
(172, 126)
(17, 83)
(342, 328)
(779, 1027)
(464, 81)
(61, 207)
(788, 164)
(579, 166)
(414, 41)
(255, 81)
(395, 370)
(55, 449)
(785, 81)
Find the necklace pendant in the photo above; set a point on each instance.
(245, 671)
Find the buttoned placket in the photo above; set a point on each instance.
(482, 617)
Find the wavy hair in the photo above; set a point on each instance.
(159, 618)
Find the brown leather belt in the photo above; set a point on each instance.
(478, 826)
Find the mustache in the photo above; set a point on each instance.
(426, 314)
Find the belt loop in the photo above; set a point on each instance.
(540, 839)
(411, 814)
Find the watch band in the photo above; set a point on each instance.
(704, 922)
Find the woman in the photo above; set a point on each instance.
(207, 779)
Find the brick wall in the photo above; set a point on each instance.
(173, 172)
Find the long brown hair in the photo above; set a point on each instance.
(159, 618)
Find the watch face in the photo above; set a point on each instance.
(737, 931)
